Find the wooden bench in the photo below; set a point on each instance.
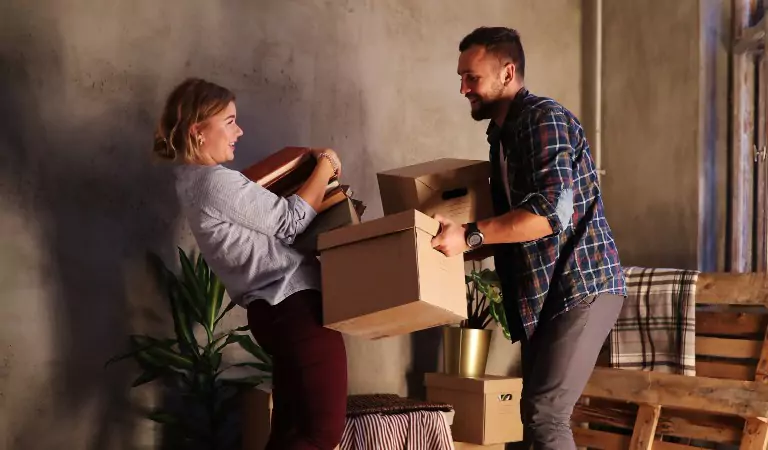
(725, 403)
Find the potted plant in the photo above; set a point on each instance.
(465, 347)
(191, 367)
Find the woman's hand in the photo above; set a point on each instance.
(331, 156)
(328, 166)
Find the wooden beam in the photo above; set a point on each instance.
(727, 370)
(645, 427)
(761, 231)
(619, 418)
(761, 372)
(728, 348)
(755, 435)
(732, 289)
(660, 445)
(672, 422)
(752, 39)
(732, 397)
(742, 126)
(600, 439)
(726, 323)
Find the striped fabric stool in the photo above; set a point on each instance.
(391, 422)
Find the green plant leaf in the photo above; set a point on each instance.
(182, 323)
(243, 328)
(191, 282)
(252, 381)
(168, 358)
(163, 417)
(215, 299)
(224, 313)
(188, 297)
(251, 347)
(256, 365)
(216, 361)
(146, 377)
(500, 316)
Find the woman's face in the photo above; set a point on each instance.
(219, 135)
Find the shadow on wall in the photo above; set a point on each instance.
(76, 155)
(99, 203)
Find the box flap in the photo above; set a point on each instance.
(432, 167)
(379, 227)
(487, 384)
(462, 177)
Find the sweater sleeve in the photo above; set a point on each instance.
(233, 197)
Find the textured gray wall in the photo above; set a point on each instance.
(665, 90)
(81, 85)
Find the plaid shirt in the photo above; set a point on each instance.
(550, 173)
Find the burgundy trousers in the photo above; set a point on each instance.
(309, 391)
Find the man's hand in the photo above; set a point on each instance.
(450, 241)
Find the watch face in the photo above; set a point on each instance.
(474, 240)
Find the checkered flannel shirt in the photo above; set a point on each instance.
(550, 173)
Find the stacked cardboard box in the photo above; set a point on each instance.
(383, 278)
(285, 171)
(458, 189)
(487, 409)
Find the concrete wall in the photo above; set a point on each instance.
(81, 85)
(664, 97)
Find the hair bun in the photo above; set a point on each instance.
(163, 148)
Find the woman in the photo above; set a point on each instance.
(245, 234)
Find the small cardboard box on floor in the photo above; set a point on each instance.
(456, 188)
(487, 409)
(382, 278)
(466, 446)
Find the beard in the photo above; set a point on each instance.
(486, 106)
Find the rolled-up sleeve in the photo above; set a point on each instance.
(545, 142)
(250, 205)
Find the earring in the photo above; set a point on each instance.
(200, 139)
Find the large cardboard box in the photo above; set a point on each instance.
(383, 278)
(487, 409)
(456, 188)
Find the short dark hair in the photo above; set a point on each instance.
(501, 41)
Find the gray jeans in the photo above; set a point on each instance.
(557, 363)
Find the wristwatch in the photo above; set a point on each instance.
(473, 236)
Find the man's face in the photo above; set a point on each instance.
(482, 81)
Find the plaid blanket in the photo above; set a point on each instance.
(657, 324)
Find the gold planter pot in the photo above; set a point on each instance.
(465, 351)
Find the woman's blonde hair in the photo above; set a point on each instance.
(191, 102)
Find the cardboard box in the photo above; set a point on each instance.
(383, 278)
(456, 188)
(487, 408)
(257, 419)
(337, 216)
(466, 446)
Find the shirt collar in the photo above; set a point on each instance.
(515, 107)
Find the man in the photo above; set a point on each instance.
(561, 279)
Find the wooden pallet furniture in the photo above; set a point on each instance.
(724, 406)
